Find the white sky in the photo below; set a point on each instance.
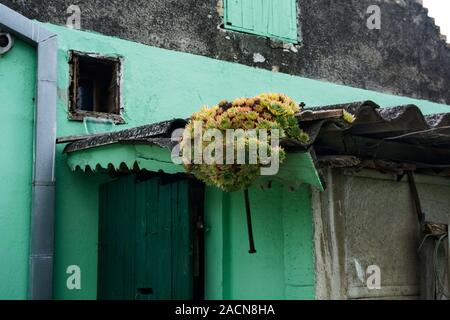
(440, 11)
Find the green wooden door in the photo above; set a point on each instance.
(145, 240)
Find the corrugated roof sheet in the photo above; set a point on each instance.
(399, 134)
(155, 134)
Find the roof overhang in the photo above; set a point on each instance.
(379, 137)
(299, 168)
(400, 134)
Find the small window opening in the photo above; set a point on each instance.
(95, 87)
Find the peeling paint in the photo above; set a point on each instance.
(258, 58)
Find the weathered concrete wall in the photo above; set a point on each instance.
(368, 219)
(406, 57)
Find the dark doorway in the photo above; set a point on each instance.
(149, 242)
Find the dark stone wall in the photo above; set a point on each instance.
(406, 57)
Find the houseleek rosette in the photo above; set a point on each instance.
(266, 111)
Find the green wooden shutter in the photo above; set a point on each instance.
(270, 18)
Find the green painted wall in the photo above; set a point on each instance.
(158, 85)
(17, 83)
(283, 267)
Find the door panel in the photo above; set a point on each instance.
(116, 265)
(145, 249)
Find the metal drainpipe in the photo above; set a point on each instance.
(40, 277)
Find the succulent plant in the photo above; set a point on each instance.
(348, 117)
(267, 111)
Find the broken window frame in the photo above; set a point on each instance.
(75, 114)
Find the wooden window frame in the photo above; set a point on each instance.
(75, 114)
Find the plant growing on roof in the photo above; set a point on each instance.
(269, 111)
(348, 117)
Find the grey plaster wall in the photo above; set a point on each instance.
(406, 57)
(368, 219)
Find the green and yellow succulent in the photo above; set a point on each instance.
(270, 111)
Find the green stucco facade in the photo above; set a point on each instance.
(283, 267)
(17, 89)
(159, 85)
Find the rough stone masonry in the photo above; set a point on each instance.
(407, 56)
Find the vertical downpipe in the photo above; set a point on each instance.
(40, 277)
(43, 195)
